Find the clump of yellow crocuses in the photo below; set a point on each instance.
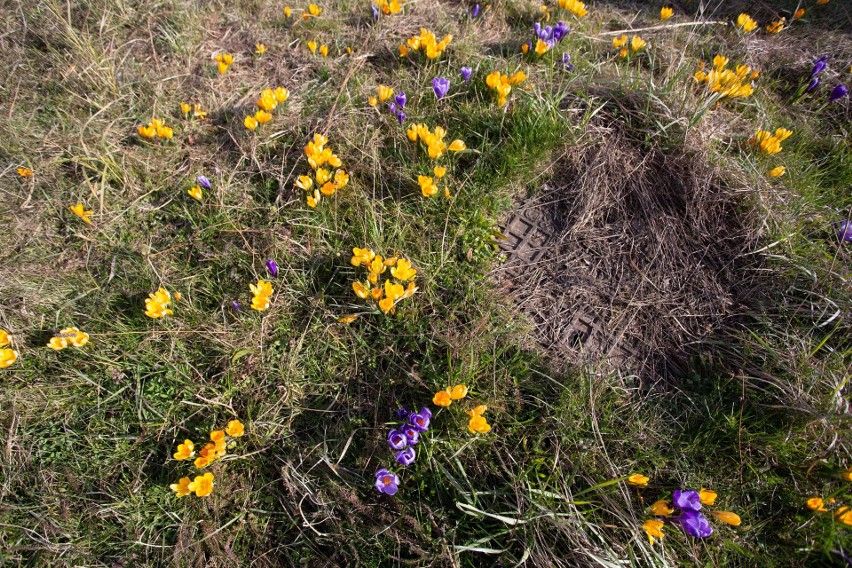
(436, 148)
(425, 42)
(268, 102)
(395, 271)
(216, 448)
(323, 182)
(502, 84)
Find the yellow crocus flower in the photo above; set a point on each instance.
(707, 496)
(777, 171)
(250, 122)
(661, 508)
(181, 488)
(262, 292)
(666, 13)
(82, 212)
(185, 108)
(262, 117)
(384, 92)
(185, 450)
(235, 429)
(458, 392)
(281, 94)
(267, 100)
(304, 182)
(442, 398)
(7, 357)
(195, 192)
(4, 338)
(638, 480)
(148, 132)
(457, 146)
(746, 23)
(24, 172)
(260, 48)
(403, 270)
(323, 49)
(427, 186)
(312, 45)
(287, 11)
(727, 517)
(202, 485)
(654, 529)
(575, 7)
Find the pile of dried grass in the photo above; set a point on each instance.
(641, 254)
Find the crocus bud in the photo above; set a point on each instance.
(272, 267)
(838, 93)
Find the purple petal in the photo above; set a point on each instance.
(400, 116)
(204, 182)
(400, 99)
(844, 231)
(466, 73)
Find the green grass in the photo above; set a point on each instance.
(761, 415)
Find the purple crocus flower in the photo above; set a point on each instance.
(838, 93)
(474, 12)
(441, 86)
(375, 13)
(812, 85)
(412, 434)
(819, 66)
(424, 411)
(400, 99)
(402, 413)
(272, 268)
(695, 524)
(406, 456)
(392, 107)
(387, 482)
(844, 231)
(466, 72)
(566, 62)
(561, 30)
(687, 500)
(236, 306)
(397, 440)
(400, 116)
(419, 421)
(204, 182)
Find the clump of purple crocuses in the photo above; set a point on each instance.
(550, 35)
(820, 65)
(402, 441)
(397, 105)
